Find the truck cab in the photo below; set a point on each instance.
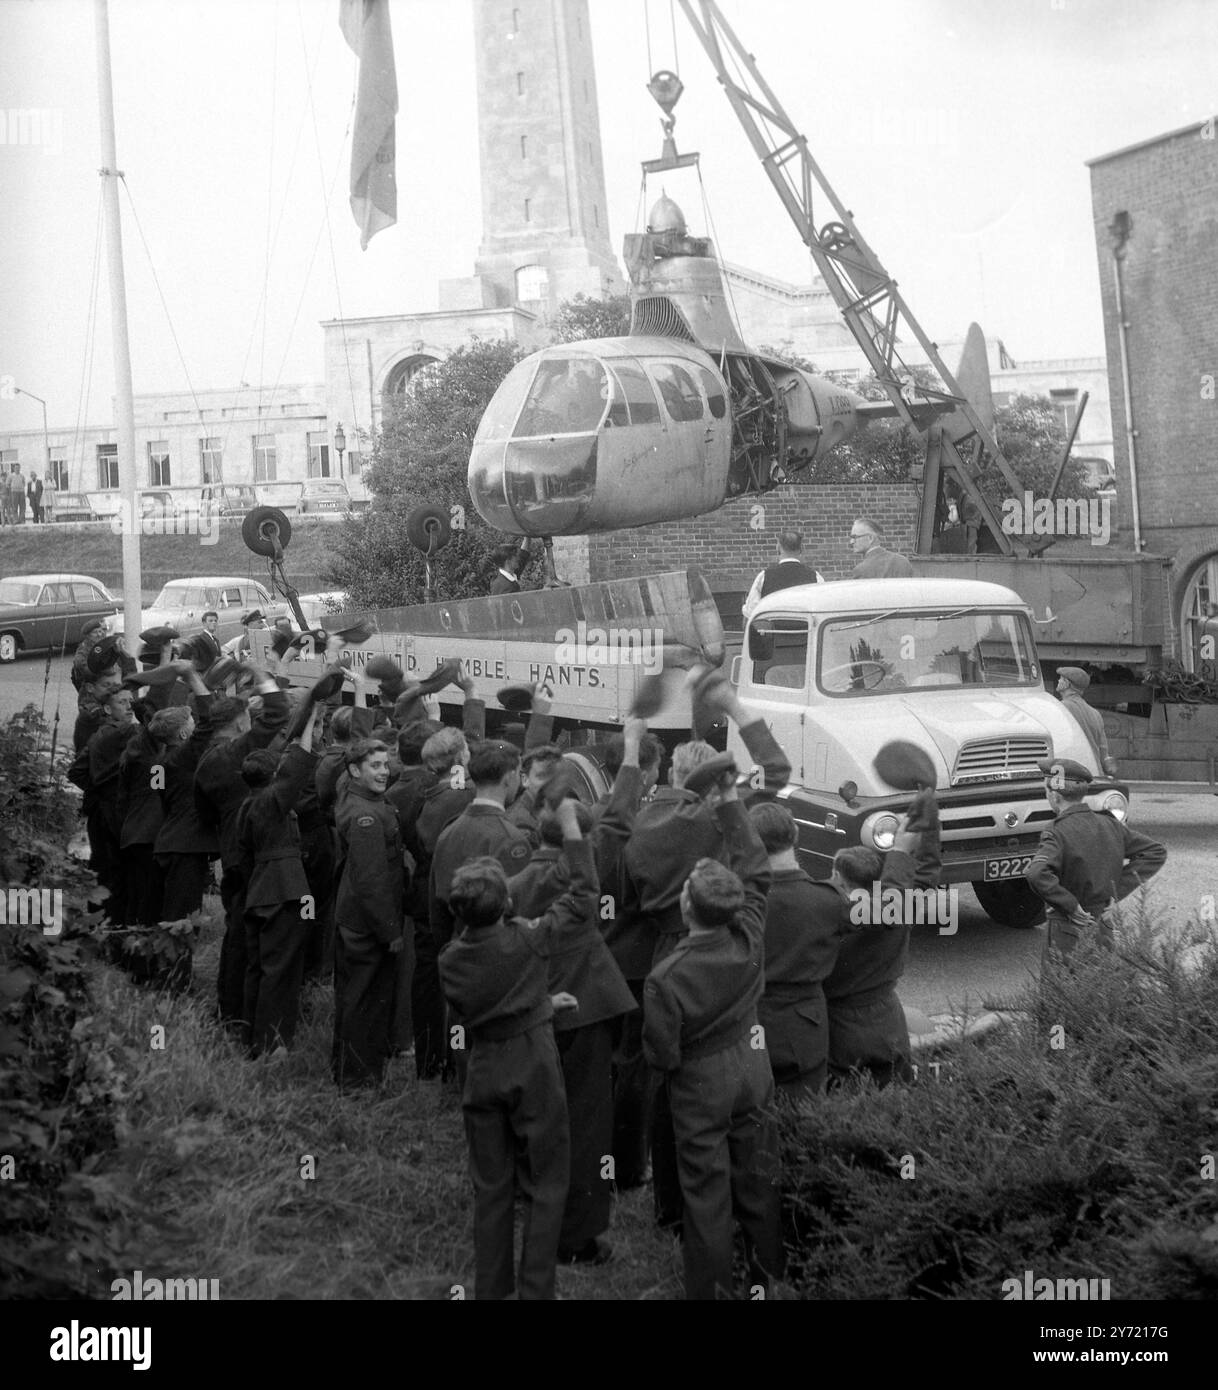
(839, 669)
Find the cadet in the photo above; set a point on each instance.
(495, 975)
(139, 808)
(700, 1029)
(220, 793)
(867, 1028)
(183, 846)
(276, 889)
(538, 766)
(1086, 861)
(368, 915)
(1071, 682)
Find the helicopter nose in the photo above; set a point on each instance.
(535, 487)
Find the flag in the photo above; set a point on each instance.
(374, 191)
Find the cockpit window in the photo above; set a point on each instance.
(714, 394)
(679, 393)
(638, 392)
(568, 396)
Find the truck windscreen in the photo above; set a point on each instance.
(925, 651)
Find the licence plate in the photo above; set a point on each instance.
(1011, 867)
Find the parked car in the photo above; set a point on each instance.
(285, 496)
(325, 495)
(74, 506)
(49, 610)
(227, 499)
(182, 603)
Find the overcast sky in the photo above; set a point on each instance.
(955, 131)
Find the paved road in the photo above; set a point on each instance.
(981, 962)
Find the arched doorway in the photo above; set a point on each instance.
(1202, 591)
(399, 378)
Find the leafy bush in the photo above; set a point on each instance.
(64, 1086)
(1084, 1160)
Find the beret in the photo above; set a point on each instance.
(91, 626)
(1076, 676)
(560, 787)
(221, 672)
(330, 683)
(710, 773)
(444, 674)
(280, 642)
(102, 656)
(904, 766)
(648, 698)
(383, 668)
(1065, 769)
(159, 636)
(516, 698)
(356, 633)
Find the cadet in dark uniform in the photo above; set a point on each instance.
(368, 916)
(867, 1028)
(583, 966)
(1086, 862)
(700, 1029)
(276, 890)
(96, 771)
(220, 792)
(139, 806)
(495, 977)
(183, 846)
(538, 766)
(672, 833)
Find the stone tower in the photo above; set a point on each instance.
(545, 225)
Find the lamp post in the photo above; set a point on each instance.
(340, 445)
(46, 438)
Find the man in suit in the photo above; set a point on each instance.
(874, 561)
(785, 573)
(33, 493)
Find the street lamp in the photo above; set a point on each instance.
(46, 438)
(340, 445)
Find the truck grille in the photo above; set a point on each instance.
(999, 760)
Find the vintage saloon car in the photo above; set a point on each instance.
(182, 603)
(49, 610)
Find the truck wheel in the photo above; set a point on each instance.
(8, 646)
(1010, 903)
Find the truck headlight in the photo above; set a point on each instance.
(880, 831)
(1117, 803)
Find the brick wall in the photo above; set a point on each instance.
(1170, 190)
(732, 544)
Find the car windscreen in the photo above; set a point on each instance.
(925, 651)
(19, 591)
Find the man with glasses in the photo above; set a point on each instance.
(874, 561)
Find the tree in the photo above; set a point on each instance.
(581, 318)
(420, 458)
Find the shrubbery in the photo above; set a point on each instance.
(1074, 1144)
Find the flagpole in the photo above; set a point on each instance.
(124, 400)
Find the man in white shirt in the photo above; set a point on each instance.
(785, 574)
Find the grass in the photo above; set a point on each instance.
(217, 1145)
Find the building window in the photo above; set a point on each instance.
(355, 461)
(59, 469)
(399, 379)
(107, 465)
(158, 463)
(527, 218)
(319, 454)
(264, 458)
(524, 147)
(1065, 403)
(520, 84)
(532, 284)
(211, 458)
